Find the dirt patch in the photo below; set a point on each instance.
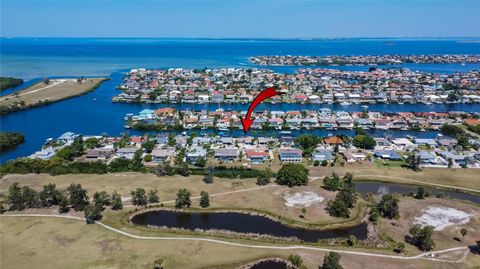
(302, 199)
(62, 240)
(109, 246)
(441, 217)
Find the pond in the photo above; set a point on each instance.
(365, 187)
(242, 223)
(270, 264)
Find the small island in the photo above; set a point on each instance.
(9, 140)
(48, 91)
(9, 82)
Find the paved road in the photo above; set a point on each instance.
(425, 255)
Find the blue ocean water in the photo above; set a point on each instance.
(93, 113)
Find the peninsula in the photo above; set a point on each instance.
(306, 86)
(332, 60)
(46, 92)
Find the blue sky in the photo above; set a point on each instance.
(240, 18)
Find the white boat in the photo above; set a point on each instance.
(285, 132)
(345, 103)
(223, 129)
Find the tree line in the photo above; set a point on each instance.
(9, 140)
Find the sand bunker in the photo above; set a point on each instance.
(302, 199)
(441, 217)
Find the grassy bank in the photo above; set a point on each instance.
(43, 94)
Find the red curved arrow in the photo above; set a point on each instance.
(265, 94)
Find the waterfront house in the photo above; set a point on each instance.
(290, 155)
(352, 156)
(364, 123)
(44, 154)
(333, 141)
(345, 123)
(147, 114)
(287, 141)
(226, 154)
(322, 155)
(161, 139)
(387, 155)
(382, 124)
(425, 142)
(165, 112)
(99, 154)
(126, 153)
(163, 155)
(382, 143)
(428, 159)
(195, 153)
(227, 141)
(67, 138)
(447, 142)
(457, 158)
(201, 140)
(403, 144)
(257, 156)
(294, 123)
(181, 141)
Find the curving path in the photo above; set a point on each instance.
(426, 255)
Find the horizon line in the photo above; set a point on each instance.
(244, 38)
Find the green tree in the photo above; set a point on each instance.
(78, 198)
(139, 197)
(63, 203)
(348, 193)
(413, 161)
(204, 199)
(15, 197)
(352, 240)
(332, 261)
(148, 158)
(292, 174)
(307, 143)
(92, 142)
(201, 162)
(388, 206)
(332, 183)
(364, 142)
(183, 199)
(183, 169)
(9, 140)
(153, 196)
(421, 237)
(116, 201)
(158, 264)
(149, 145)
(93, 213)
(374, 215)
(208, 177)
(296, 260)
(338, 208)
(421, 193)
(263, 177)
(304, 212)
(463, 232)
(102, 198)
(400, 247)
(49, 195)
(30, 197)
